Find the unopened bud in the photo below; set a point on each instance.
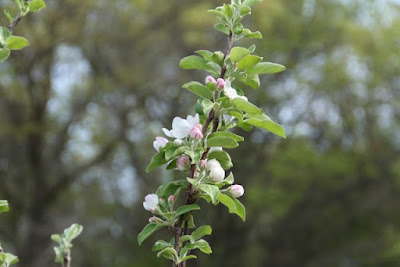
(203, 163)
(171, 198)
(178, 142)
(217, 173)
(210, 79)
(236, 190)
(196, 132)
(220, 83)
(183, 163)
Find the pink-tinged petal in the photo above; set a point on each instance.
(180, 128)
(236, 190)
(210, 79)
(221, 83)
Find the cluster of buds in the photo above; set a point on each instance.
(219, 82)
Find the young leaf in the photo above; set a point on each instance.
(248, 61)
(4, 34)
(228, 202)
(251, 2)
(73, 231)
(264, 122)
(201, 231)
(147, 231)
(211, 190)
(194, 62)
(265, 67)
(251, 80)
(160, 245)
(223, 158)
(16, 42)
(157, 161)
(233, 136)
(237, 53)
(224, 142)
(240, 209)
(168, 253)
(198, 89)
(189, 257)
(254, 35)
(36, 5)
(171, 188)
(187, 208)
(203, 246)
(246, 106)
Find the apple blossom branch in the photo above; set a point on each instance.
(189, 193)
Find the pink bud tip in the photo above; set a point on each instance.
(210, 79)
(196, 132)
(220, 83)
(203, 163)
(183, 163)
(171, 198)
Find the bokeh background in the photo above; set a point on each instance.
(79, 110)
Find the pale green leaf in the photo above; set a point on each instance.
(265, 67)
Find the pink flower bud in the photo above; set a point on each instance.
(203, 163)
(183, 163)
(210, 79)
(220, 83)
(171, 198)
(160, 142)
(196, 132)
(236, 190)
(152, 219)
(150, 202)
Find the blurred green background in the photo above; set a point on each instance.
(79, 110)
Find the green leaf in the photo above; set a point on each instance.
(171, 188)
(186, 238)
(251, 80)
(168, 253)
(16, 42)
(246, 106)
(147, 231)
(237, 114)
(244, 126)
(251, 2)
(207, 55)
(223, 158)
(222, 142)
(194, 62)
(254, 35)
(265, 67)
(173, 151)
(222, 28)
(201, 231)
(233, 136)
(245, 10)
(56, 238)
(210, 190)
(237, 53)
(240, 209)
(229, 179)
(3, 206)
(203, 246)
(198, 89)
(248, 61)
(4, 34)
(186, 208)
(160, 245)
(188, 258)
(238, 29)
(73, 231)
(8, 259)
(36, 5)
(157, 161)
(264, 122)
(9, 15)
(228, 202)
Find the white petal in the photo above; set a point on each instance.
(167, 132)
(156, 145)
(180, 128)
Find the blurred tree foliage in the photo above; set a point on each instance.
(80, 107)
